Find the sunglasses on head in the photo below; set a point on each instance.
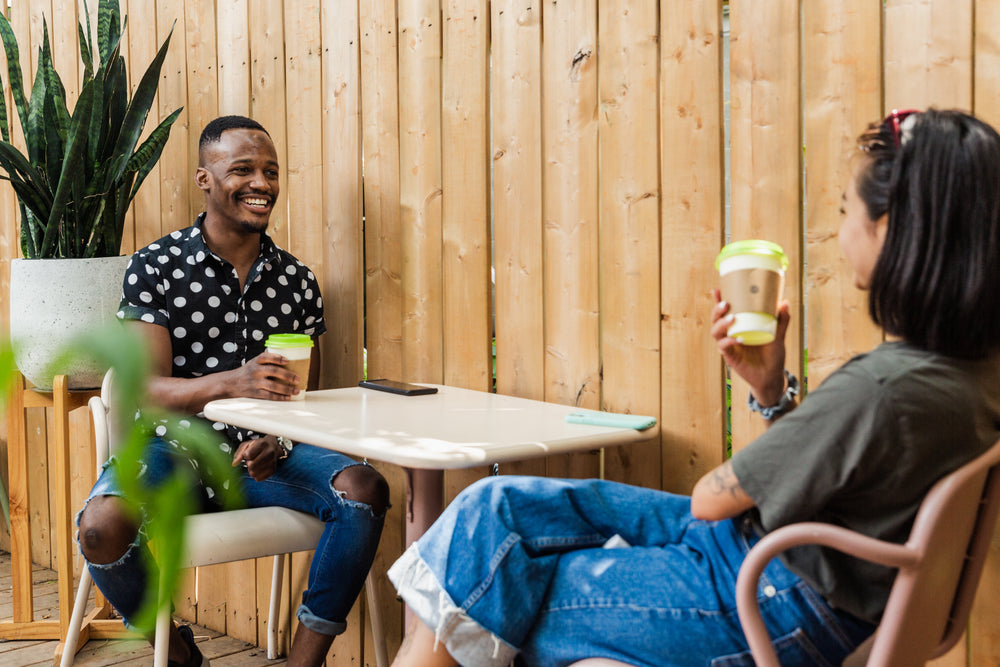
(895, 119)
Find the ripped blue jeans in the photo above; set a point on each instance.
(521, 568)
(302, 482)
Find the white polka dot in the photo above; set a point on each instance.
(258, 334)
(197, 347)
(229, 346)
(132, 279)
(180, 302)
(283, 280)
(298, 298)
(180, 332)
(162, 259)
(256, 305)
(120, 314)
(209, 492)
(160, 290)
(166, 284)
(218, 426)
(195, 287)
(295, 325)
(175, 251)
(178, 274)
(145, 297)
(309, 274)
(190, 260)
(214, 301)
(290, 270)
(175, 234)
(150, 270)
(271, 293)
(211, 362)
(161, 431)
(230, 317)
(308, 294)
(184, 423)
(200, 255)
(310, 320)
(213, 332)
(272, 321)
(226, 289)
(197, 317)
(210, 272)
(153, 246)
(286, 309)
(319, 302)
(179, 361)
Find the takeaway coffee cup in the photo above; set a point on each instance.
(297, 348)
(752, 276)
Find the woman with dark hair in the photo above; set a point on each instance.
(550, 571)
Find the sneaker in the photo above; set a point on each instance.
(196, 659)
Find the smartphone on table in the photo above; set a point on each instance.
(396, 387)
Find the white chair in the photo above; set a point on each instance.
(220, 537)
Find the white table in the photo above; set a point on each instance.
(426, 435)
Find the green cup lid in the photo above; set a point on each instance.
(289, 340)
(753, 247)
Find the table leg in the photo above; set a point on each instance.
(20, 521)
(424, 502)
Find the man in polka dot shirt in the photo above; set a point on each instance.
(206, 298)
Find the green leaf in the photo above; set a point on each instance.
(75, 150)
(139, 107)
(146, 156)
(14, 71)
(108, 27)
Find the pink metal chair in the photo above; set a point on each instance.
(939, 569)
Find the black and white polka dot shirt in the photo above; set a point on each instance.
(177, 282)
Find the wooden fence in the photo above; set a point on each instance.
(552, 177)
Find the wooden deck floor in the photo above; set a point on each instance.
(221, 650)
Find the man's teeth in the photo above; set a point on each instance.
(253, 201)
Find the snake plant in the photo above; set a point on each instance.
(80, 171)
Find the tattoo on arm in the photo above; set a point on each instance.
(723, 481)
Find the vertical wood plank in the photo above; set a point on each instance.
(629, 227)
(842, 95)
(928, 54)
(383, 227)
(383, 261)
(570, 204)
(516, 85)
(233, 44)
(343, 264)
(268, 105)
(202, 103)
(175, 179)
(420, 188)
(766, 171)
(143, 225)
(692, 178)
(465, 221)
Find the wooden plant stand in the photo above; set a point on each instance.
(96, 624)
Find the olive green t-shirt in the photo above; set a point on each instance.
(861, 452)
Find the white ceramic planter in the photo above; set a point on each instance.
(52, 301)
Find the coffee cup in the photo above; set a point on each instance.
(297, 348)
(751, 280)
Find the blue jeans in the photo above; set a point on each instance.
(514, 567)
(304, 482)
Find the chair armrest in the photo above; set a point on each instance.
(794, 535)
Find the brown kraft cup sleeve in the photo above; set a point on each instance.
(752, 290)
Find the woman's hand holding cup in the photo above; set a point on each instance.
(762, 366)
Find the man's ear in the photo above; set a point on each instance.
(202, 178)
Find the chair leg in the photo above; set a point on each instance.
(76, 620)
(378, 634)
(161, 646)
(274, 609)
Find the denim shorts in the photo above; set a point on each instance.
(522, 568)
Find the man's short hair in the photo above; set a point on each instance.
(213, 131)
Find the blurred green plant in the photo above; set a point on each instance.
(80, 172)
(124, 351)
